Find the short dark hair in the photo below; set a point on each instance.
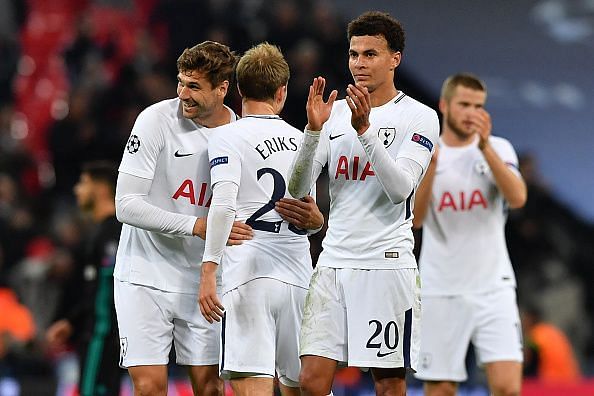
(102, 171)
(375, 23)
(215, 60)
(261, 71)
(467, 80)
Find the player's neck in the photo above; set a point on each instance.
(453, 139)
(383, 95)
(255, 107)
(219, 117)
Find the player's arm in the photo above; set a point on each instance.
(305, 170)
(398, 177)
(423, 194)
(220, 222)
(133, 208)
(510, 183)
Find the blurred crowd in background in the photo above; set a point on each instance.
(74, 75)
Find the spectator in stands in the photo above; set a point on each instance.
(93, 317)
(548, 354)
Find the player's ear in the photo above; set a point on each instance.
(239, 90)
(223, 88)
(281, 94)
(396, 58)
(443, 106)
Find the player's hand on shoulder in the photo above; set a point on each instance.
(359, 102)
(239, 232)
(303, 213)
(208, 300)
(317, 110)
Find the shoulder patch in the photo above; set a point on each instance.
(422, 140)
(218, 161)
(133, 144)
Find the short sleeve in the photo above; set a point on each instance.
(506, 152)
(224, 156)
(144, 145)
(420, 138)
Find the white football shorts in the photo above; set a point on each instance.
(489, 320)
(150, 320)
(261, 330)
(365, 318)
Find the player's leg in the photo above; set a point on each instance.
(289, 314)
(289, 390)
(440, 388)
(383, 315)
(498, 341)
(317, 375)
(323, 333)
(253, 386)
(249, 336)
(504, 378)
(197, 345)
(446, 329)
(206, 381)
(149, 380)
(145, 330)
(389, 381)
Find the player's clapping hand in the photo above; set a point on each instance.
(481, 124)
(359, 102)
(303, 213)
(239, 232)
(210, 306)
(317, 110)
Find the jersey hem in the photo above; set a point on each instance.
(230, 288)
(465, 293)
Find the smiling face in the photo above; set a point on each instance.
(199, 98)
(372, 62)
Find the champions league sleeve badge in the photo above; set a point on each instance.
(386, 135)
(133, 144)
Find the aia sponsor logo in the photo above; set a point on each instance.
(188, 192)
(353, 169)
(462, 201)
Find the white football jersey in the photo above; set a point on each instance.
(256, 153)
(464, 249)
(171, 150)
(365, 229)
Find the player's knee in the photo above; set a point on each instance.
(208, 384)
(149, 386)
(212, 387)
(440, 388)
(312, 384)
(505, 389)
(390, 388)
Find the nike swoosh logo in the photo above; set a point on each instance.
(178, 154)
(335, 136)
(379, 354)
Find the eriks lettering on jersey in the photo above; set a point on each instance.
(274, 145)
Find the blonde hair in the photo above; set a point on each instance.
(466, 80)
(261, 71)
